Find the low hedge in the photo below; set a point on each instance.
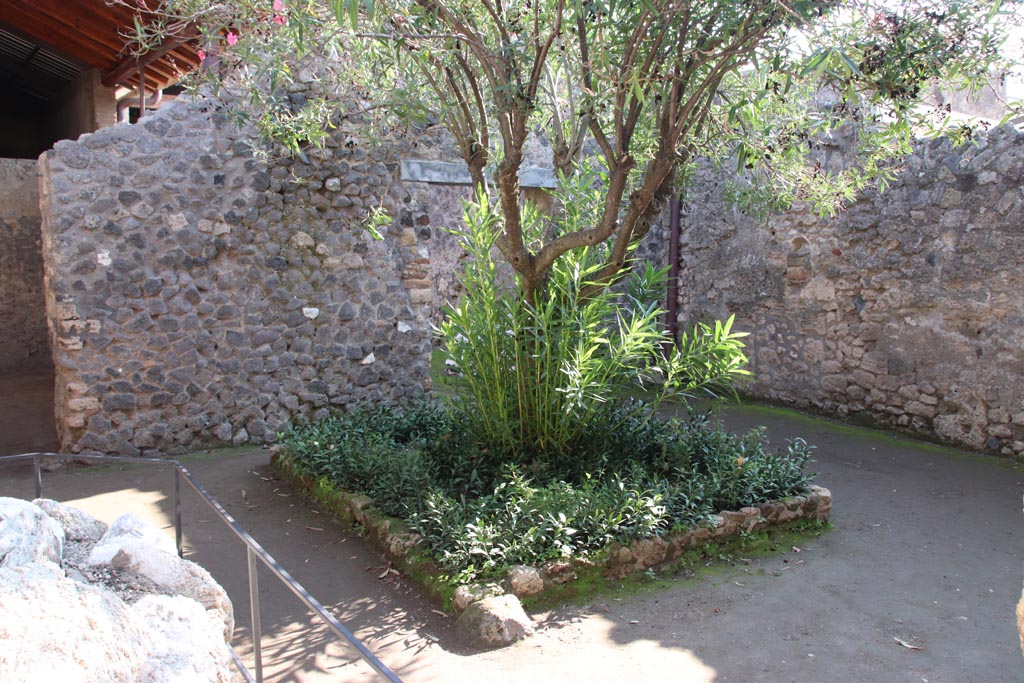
(638, 476)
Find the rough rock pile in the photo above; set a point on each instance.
(86, 603)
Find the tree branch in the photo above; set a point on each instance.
(591, 236)
(588, 83)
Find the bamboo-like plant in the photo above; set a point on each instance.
(533, 377)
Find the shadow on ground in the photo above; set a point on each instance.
(926, 552)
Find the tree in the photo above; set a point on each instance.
(629, 94)
(652, 84)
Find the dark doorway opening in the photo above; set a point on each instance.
(26, 365)
(26, 412)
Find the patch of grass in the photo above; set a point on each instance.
(708, 561)
(875, 434)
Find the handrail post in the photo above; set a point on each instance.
(37, 471)
(177, 511)
(254, 607)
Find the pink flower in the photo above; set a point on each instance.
(232, 38)
(202, 55)
(278, 17)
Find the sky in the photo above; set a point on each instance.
(1015, 83)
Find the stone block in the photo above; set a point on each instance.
(301, 240)
(831, 367)
(1000, 431)
(421, 296)
(467, 594)
(494, 622)
(865, 379)
(836, 384)
(650, 552)
(83, 404)
(921, 409)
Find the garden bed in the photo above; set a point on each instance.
(487, 628)
(395, 540)
(472, 535)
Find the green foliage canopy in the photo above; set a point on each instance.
(648, 86)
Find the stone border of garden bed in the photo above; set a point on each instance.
(490, 614)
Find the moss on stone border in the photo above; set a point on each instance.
(399, 544)
(710, 558)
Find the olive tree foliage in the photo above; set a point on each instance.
(645, 86)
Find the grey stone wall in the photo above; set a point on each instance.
(198, 296)
(23, 340)
(907, 308)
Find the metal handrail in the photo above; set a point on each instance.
(254, 551)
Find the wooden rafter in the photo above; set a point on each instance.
(152, 60)
(93, 33)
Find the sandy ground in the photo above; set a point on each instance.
(927, 550)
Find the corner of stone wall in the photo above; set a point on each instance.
(903, 310)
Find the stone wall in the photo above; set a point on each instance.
(197, 295)
(23, 341)
(906, 309)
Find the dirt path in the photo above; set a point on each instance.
(927, 550)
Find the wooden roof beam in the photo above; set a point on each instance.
(88, 49)
(131, 65)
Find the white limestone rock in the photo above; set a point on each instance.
(72, 624)
(128, 527)
(188, 644)
(524, 581)
(27, 534)
(77, 525)
(468, 594)
(56, 629)
(302, 240)
(134, 545)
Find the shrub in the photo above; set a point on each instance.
(534, 375)
(637, 477)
